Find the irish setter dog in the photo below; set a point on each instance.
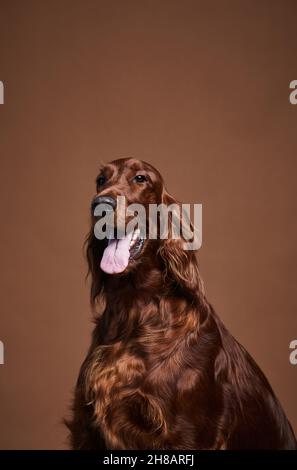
(162, 371)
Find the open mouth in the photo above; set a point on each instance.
(119, 252)
(136, 244)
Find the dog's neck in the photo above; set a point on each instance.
(143, 282)
(144, 298)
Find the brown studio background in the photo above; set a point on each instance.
(198, 89)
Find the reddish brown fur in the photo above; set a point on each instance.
(162, 371)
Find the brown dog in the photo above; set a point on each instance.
(162, 371)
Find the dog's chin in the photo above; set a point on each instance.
(121, 255)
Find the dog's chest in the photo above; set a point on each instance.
(122, 407)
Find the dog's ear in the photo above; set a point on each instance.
(180, 263)
(94, 250)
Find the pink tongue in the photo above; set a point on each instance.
(116, 255)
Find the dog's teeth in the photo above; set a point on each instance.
(132, 243)
(135, 238)
(135, 234)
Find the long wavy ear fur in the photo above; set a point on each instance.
(94, 250)
(180, 264)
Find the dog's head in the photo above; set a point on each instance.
(122, 187)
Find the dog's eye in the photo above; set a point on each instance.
(100, 181)
(140, 179)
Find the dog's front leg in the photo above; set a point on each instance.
(84, 432)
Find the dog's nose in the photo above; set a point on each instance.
(103, 200)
